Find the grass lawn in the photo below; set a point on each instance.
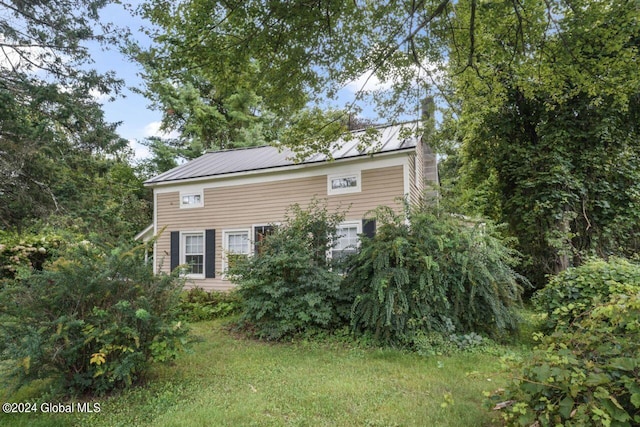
(230, 382)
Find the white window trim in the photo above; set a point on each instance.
(357, 224)
(225, 246)
(183, 252)
(266, 224)
(334, 191)
(194, 205)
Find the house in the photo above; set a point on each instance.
(218, 205)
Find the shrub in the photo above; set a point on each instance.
(197, 304)
(27, 251)
(439, 274)
(586, 374)
(290, 287)
(93, 320)
(575, 290)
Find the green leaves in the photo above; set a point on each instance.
(585, 371)
(574, 291)
(51, 126)
(541, 121)
(290, 288)
(91, 320)
(437, 274)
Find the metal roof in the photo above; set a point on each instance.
(216, 163)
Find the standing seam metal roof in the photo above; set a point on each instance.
(266, 157)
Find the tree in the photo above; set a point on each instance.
(58, 154)
(550, 113)
(207, 93)
(218, 68)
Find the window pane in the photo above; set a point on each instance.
(260, 233)
(194, 253)
(347, 238)
(345, 182)
(192, 199)
(196, 264)
(194, 245)
(238, 243)
(340, 254)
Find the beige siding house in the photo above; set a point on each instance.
(221, 203)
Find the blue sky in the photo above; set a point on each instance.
(138, 120)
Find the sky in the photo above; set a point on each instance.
(132, 110)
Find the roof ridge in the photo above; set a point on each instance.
(239, 148)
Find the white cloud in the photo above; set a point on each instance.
(430, 72)
(139, 150)
(99, 96)
(367, 82)
(18, 56)
(153, 129)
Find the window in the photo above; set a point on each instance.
(347, 239)
(259, 234)
(191, 200)
(193, 244)
(343, 184)
(236, 245)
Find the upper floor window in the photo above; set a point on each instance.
(191, 200)
(344, 183)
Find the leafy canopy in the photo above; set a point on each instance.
(58, 155)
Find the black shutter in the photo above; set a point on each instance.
(369, 227)
(175, 249)
(210, 253)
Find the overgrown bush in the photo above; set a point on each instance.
(196, 304)
(437, 273)
(25, 251)
(92, 319)
(290, 287)
(584, 374)
(575, 290)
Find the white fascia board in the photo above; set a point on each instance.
(304, 170)
(145, 232)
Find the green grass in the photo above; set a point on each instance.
(227, 381)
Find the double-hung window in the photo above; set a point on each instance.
(260, 232)
(236, 245)
(346, 239)
(193, 244)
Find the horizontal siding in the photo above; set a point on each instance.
(254, 204)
